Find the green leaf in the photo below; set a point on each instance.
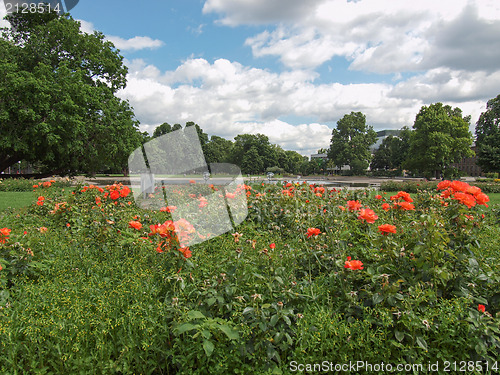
(247, 310)
(399, 335)
(211, 301)
(209, 347)
(277, 371)
(185, 327)
(421, 342)
(377, 298)
(287, 320)
(266, 306)
(230, 333)
(194, 314)
(263, 326)
(274, 320)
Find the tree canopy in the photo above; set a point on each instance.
(488, 137)
(351, 141)
(392, 152)
(440, 137)
(57, 97)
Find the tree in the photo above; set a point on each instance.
(57, 97)
(382, 158)
(295, 162)
(252, 162)
(441, 137)
(351, 141)
(392, 152)
(162, 129)
(244, 143)
(488, 137)
(218, 150)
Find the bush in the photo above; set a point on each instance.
(491, 175)
(23, 184)
(90, 283)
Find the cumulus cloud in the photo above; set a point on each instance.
(133, 44)
(238, 12)
(136, 43)
(227, 98)
(379, 36)
(446, 85)
(3, 13)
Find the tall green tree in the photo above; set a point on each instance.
(295, 162)
(351, 141)
(252, 162)
(162, 129)
(57, 97)
(488, 137)
(441, 137)
(392, 152)
(266, 153)
(218, 150)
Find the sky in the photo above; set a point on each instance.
(290, 69)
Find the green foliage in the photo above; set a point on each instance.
(392, 152)
(93, 295)
(24, 184)
(351, 141)
(58, 102)
(488, 137)
(418, 186)
(440, 137)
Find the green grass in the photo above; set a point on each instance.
(494, 199)
(15, 199)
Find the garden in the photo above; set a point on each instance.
(91, 283)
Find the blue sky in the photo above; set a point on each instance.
(291, 69)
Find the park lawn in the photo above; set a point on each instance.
(15, 199)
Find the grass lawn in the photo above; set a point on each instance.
(15, 199)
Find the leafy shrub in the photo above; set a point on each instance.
(23, 184)
(311, 274)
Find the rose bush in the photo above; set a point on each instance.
(89, 282)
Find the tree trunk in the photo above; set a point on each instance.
(7, 161)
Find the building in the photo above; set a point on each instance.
(381, 135)
(468, 165)
(319, 156)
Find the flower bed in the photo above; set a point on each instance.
(90, 283)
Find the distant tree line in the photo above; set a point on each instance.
(60, 113)
(253, 153)
(439, 137)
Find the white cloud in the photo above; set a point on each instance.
(133, 44)
(3, 13)
(446, 85)
(136, 43)
(86, 27)
(380, 36)
(238, 12)
(226, 99)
